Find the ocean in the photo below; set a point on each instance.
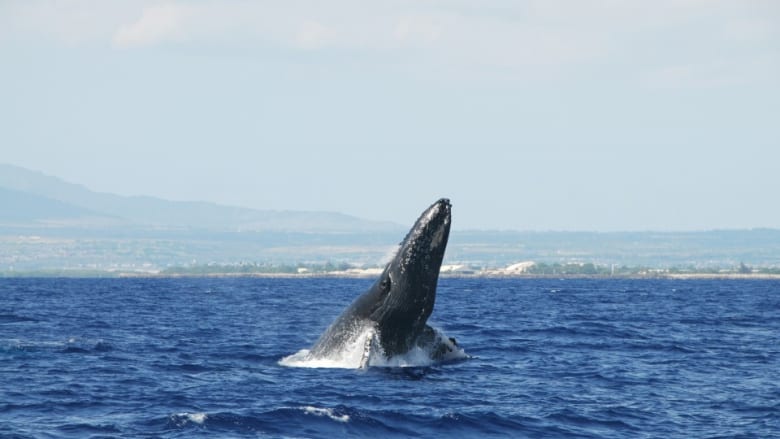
(546, 358)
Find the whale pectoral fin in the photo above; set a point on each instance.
(432, 341)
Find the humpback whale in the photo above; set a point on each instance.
(395, 309)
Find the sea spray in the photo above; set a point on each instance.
(365, 350)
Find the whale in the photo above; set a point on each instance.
(394, 311)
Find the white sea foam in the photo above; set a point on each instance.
(365, 351)
(325, 412)
(197, 418)
(184, 418)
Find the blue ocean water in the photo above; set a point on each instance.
(549, 358)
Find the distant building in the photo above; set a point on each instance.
(462, 269)
(520, 267)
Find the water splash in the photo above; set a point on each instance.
(364, 350)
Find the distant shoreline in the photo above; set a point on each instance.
(342, 275)
(687, 276)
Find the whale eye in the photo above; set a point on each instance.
(386, 285)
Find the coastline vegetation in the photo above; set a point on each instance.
(590, 269)
(257, 268)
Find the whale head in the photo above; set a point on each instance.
(407, 287)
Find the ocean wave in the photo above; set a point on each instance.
(271, 422)
(7, 319)
(338, 421)
(70, 345)
(86, 429)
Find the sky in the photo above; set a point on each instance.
(593, 115)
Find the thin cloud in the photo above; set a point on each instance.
(662, 42)
(157, 24)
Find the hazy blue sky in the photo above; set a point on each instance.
(541, 114)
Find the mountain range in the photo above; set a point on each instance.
(49, 224)
(28, 196)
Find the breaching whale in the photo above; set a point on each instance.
(396, 307)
